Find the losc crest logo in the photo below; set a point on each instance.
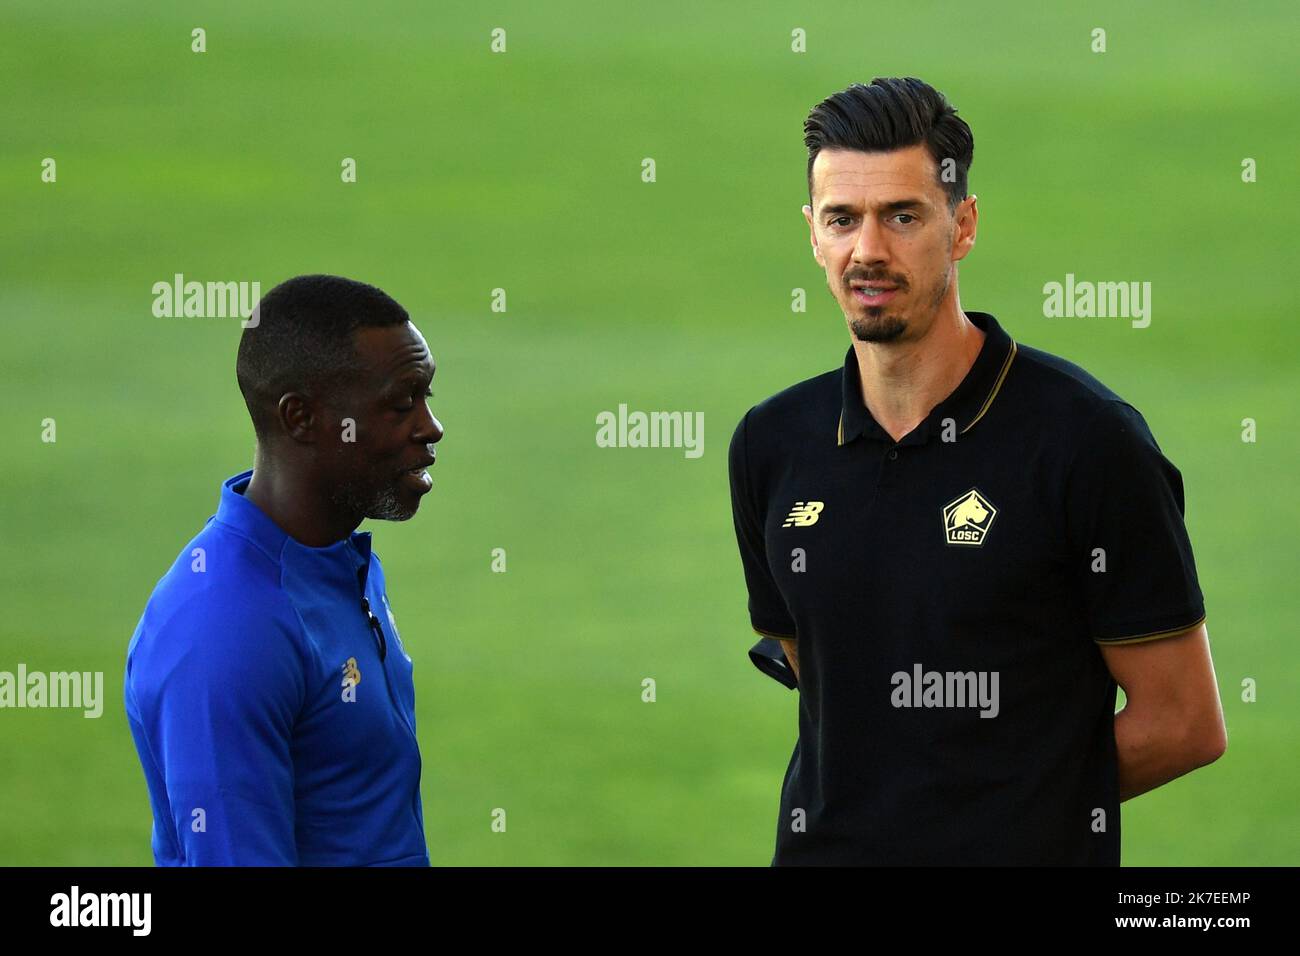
(803, 514)
(967, 519)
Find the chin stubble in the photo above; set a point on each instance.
(381, 503)
(386, 507)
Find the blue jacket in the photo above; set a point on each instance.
(272, 703)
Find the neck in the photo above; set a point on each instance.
(902, 381)
(293, 502)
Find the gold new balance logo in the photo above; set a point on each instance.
(967, 519)
(803, 514)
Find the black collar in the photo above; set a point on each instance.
(965, 406)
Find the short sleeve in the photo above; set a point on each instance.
(768, 613)
(1128, 541)
(212, 699)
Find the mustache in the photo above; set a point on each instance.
(427, 461)
(852, 277)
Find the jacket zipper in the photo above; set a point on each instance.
(378, 629)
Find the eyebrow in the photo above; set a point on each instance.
(894, 206)
(405, 382)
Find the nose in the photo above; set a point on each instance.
(429, 430)
(871, 245)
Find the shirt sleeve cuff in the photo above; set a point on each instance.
(1154, 631)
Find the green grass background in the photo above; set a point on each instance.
(521, 171)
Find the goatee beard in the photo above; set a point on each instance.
(883, 329)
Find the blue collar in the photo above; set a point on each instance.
(247, 519)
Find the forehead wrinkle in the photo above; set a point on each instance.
(903, 159)
(413, 357)
(845, 184)
(899, 200)
(851, 170)
(416, 353)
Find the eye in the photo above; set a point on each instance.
(428, 393)
(838, 219)
(905, 215)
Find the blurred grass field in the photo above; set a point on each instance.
(521, 171)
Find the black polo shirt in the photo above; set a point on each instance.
(948, 593)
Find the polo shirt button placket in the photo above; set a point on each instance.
(885, 474)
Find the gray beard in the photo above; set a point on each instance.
(380, 503)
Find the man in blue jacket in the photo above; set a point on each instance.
(267, 689)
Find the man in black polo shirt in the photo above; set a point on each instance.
(961, 543)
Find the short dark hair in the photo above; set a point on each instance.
(302, 340)
(893, 113)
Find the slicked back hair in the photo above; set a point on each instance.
(893, 113)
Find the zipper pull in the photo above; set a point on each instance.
(376, 627)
